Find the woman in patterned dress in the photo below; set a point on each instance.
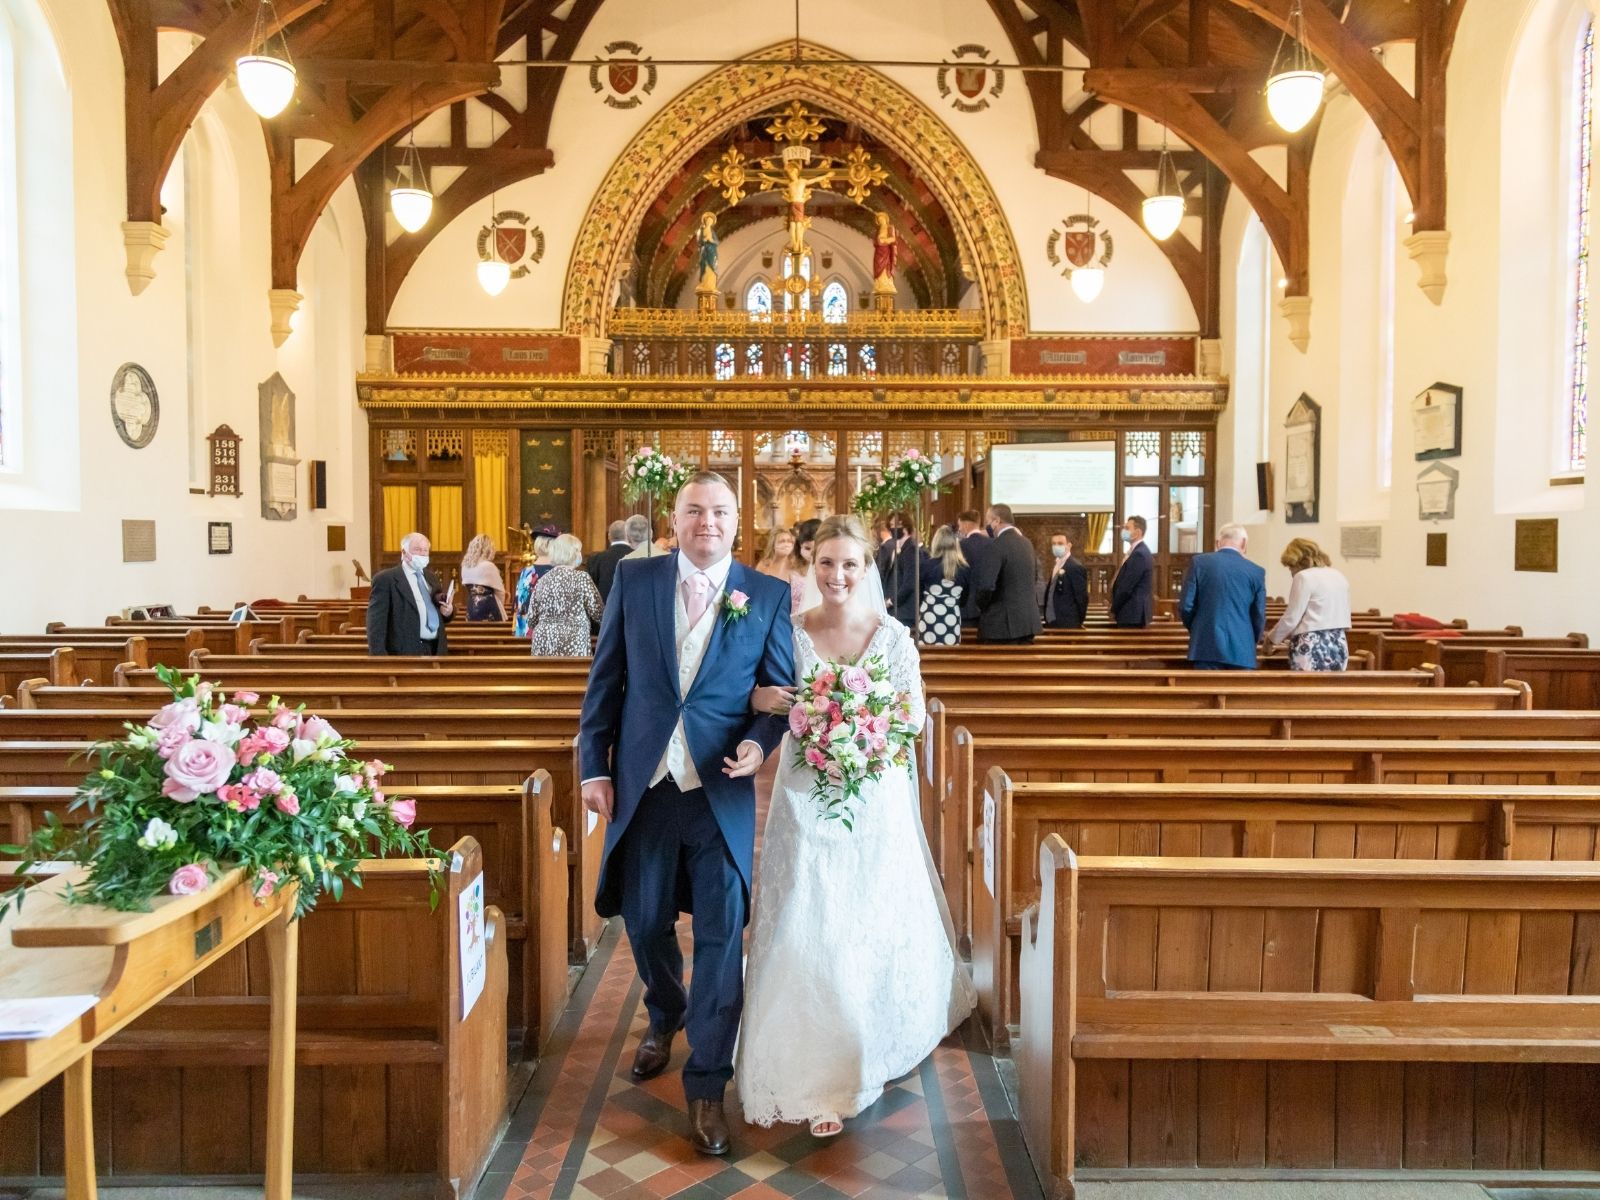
(1318, 610)
(563, 604)
(946, 576)
(529, 579)
(486, 591)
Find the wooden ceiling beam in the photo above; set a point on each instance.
(370, 71)
(1182, 79)
(1078, 161)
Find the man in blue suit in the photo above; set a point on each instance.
(668, 745)
(1133, 590)
(1224, 605)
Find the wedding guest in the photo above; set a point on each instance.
(800, 562)
(975, 543)
(778, 553)
(899, 567)
(602, 567)
(880, 530)
(407, 611)
(1066, 595)
(529, 578)
(564, 603)
(486, 591)
(946, 579)
(652, 548)
(1317, 613)
(1007, 611)
(1224, 605)
(1133, 589)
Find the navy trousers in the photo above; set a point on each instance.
(674, 856)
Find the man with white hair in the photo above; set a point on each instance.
(602, 567)
(408, 609)
(1224, 605)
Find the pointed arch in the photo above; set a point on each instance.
(741, 90)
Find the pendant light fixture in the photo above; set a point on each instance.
(266, 74)
(410, 199)
(1294, 86)
(1163, 211)
(493, 272)
(1087, 281)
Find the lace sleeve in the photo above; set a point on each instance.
(905, 671)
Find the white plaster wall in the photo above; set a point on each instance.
(1142, 293)
(67, 564)
(1469, 341)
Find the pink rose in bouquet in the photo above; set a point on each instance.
(856, 679)
(287, 803)
(246, 697)
(263, 780)
(849, 727)
(798, 721)
(234, 714)
(189, 880)
(404, 812)
(200, 767)
(171, 739)
(185, 714)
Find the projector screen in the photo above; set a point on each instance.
(1054, 477)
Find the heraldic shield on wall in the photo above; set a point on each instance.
(516, 241)
(624, 76)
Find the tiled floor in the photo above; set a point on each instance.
(585, 1129)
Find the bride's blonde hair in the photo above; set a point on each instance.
(843, 525)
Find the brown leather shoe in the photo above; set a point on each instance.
(655, 1051)
(708, 1126)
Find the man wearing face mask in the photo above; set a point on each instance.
(408, 609)
(976, 542)
(1133, 591)
(899, 566)
(1066, 595)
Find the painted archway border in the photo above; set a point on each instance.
(739, 91)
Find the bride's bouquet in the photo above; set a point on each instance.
(849, 726)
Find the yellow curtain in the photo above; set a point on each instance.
(489, 477)
(399, 514)
(1095, 531)
(444, 518)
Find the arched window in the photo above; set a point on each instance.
(1577, 416)
(758, 299)
(1252, 362)
(724, 367)
(835, 303)
(838, 359)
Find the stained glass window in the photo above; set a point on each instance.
(758, 300)
(724, 367)
(868, 358)
(838, 359)
(752, 359)
(1578, 395)
(835, 303)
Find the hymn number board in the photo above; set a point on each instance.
(224, 462)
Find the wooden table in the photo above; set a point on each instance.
(131, 961)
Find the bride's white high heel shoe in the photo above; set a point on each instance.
(826, 1125)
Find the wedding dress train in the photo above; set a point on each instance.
(852, 977)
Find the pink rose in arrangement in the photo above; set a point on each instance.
(288, 803)
(234, 714)
(238, 797)
(285, 718)
(379, 799)
(822, 684)
(315, 729)
(201, 766)
(173, 790)
(171, 739)
(913, 453)
(856, 679)
(798, 721)
(266, 884)
(246, 697)
(404, 811)
(188, 880)
(263, 780)
(816, 757)
(183, 714)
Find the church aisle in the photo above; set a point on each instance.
(586, 1130)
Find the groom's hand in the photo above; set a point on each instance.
(748, 761)
(598, 797)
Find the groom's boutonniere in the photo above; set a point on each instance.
(736, 607)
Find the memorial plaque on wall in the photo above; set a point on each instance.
(1537, 543)
(1438, 549)
(1361, 541)
(546, 478)
(138, 541)
(219, 537)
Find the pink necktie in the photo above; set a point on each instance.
(699, 597)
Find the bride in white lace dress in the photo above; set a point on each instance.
(852, 977)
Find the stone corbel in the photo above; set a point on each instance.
(594, 356)
(143, 240)
(1297, 311)
(380, 354)
(1428, 248)
(284, 302)
(995, 358)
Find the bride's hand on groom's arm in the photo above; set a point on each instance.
(747, 761)
(777, 700)
(599, 797)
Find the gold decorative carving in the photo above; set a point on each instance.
(446, 443)
(741, 91)
(920, 324)
(491, 443)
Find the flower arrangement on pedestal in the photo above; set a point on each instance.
(205, 786)
(651, 473)
(903, 483)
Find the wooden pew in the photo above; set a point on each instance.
(415, 762)
(393, 1077)
(329, 697)
(96, 724)
(218, 636)
(56, 666)
(1559, 678)
(1240, 1017)
(1242, 760)
(93, 662)
(525, 875)
(1326, 820)
(1398, 651)
(159, 649)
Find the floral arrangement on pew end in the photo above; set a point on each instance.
(651, 473)
(204, 787)
(901, 485)
(849, 726)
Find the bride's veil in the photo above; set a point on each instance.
(867, 597)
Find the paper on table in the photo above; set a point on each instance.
(23, 1017)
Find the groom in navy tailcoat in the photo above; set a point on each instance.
(668, 746)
